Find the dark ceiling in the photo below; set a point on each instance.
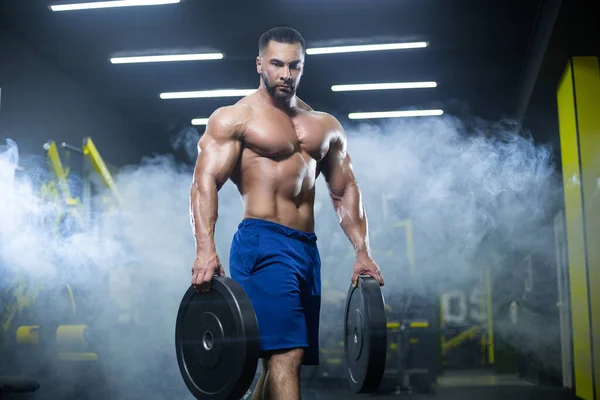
(477, 52)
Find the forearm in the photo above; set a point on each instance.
(204, 213)
(352, 217)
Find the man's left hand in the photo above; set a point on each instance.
(365, 265)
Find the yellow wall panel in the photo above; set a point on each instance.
(578, 268)
(587, 92)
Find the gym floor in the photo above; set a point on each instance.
(459, 386)
(472, 393)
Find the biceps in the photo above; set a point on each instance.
(216, 160)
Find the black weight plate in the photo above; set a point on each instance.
(365, 344)
(216, 340)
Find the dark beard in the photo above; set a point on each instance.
(272, 90)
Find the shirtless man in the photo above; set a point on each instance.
(273, 147)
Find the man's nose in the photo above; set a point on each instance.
(287, 74)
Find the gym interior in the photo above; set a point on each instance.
(474, 131)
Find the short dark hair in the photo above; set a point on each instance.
(280, 34)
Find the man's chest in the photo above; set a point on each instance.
(275, 136)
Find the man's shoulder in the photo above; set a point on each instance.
(230, 114)
(329, 129)
(228, 120)
(328, 121)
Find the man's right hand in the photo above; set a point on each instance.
(205, 267)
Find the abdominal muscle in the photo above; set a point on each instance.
(280, 191)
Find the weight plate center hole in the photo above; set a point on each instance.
(208, 340)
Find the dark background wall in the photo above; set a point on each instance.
(576, 33)
(39, 103)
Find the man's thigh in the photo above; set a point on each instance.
(277, 301)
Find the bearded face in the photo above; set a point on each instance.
(280, 67)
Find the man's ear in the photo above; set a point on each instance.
(259, 68)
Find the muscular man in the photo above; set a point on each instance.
(273, 147)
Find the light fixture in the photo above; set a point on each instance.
(396, 114)
(383, 86)
(109, 4)
(199, 121)
(166, 58)
(366, 47)
(207, 93)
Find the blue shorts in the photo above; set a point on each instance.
(280, 270)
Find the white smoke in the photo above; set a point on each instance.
(476, 196)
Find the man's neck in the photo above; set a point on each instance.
(285, 105)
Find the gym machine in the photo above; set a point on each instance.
(43, 328)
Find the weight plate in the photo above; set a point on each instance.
(216, 340)
(365, 344)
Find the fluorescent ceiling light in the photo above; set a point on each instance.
(166, 58)
(109, 4)
(207, 93)
(383, 86)
(199, 121)
(396, 114)
(366, 47)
